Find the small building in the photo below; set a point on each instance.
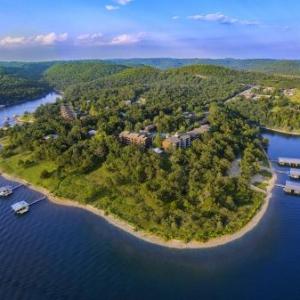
(157, 151)
(292, 188)
(92, 132)
(67, 112)
(291, 162)
(127, 102)
(135, 138)
(51, 137)
(195, 133)
(20, 207)
(295, 173)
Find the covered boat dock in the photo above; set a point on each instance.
(291, 162)
(295, 173)
(292, 188)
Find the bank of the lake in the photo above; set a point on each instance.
(60, 252)
(146, 236)
(282, 131)
(8, 113)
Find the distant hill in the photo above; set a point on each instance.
(284, 67)
(63, 74)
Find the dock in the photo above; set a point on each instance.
(17, 186)
(292, 188)
(22, 207)
(290, 162)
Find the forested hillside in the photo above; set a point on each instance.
(284, 67)
(64, 74)
(185, 194)
(14, 89)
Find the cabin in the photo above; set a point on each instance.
(20, 208)
(67, 112)
(291, 162)
(292, 188)
(295, 173)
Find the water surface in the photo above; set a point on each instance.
(8, 113)
(57, 252)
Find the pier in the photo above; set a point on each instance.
(37, 201)
(290, 162)
(22, 207)
(17, 186)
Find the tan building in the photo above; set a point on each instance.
(67, 112)
(128, 138)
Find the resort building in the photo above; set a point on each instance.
(67, 112)
(184, 140)
(140, 139)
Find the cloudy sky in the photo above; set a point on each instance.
(78, 29)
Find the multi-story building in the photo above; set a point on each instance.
(140, 139)
(67, 112)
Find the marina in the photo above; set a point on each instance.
(291, 162)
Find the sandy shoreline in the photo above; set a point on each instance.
(150, 238)
(295, 133)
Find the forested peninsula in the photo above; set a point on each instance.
(172, 152)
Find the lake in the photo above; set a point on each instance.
(56, 252)
(8, 113)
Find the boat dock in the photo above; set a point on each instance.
(17, 186)
(22, 207)
(292, 188)
(290, 162)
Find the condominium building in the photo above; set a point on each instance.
(140, 139)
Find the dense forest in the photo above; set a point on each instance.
(14, 89)
(271, 66)
(185, 194)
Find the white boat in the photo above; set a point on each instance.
(5, 191)
(20, 208)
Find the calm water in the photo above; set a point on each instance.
(8, 113)
(57, 252)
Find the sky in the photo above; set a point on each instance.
(35, 30)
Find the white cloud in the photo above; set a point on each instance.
(123, 2)
(50, 38)
(111, 7)
(12, 41)
(98, 39)
(91, 39)
(127, 39)
(42, 39)
(175, 17)
(222, 19)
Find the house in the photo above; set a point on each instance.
(135, 138)
(67, 112)
(172, 142)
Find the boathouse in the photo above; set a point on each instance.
(292, 162)
(295, 173)
(292, 188)
(20, 207)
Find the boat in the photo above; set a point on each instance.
(20, 208)
(5, 191)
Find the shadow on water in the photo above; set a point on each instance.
(57, 252)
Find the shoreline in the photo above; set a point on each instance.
(294, 133)
(148, 237)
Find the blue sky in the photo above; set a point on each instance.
(79, 29)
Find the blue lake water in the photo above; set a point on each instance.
(57, 252)
(7, 113)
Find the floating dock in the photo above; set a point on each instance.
(291, 162)
(292, 188)
(22, 207)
